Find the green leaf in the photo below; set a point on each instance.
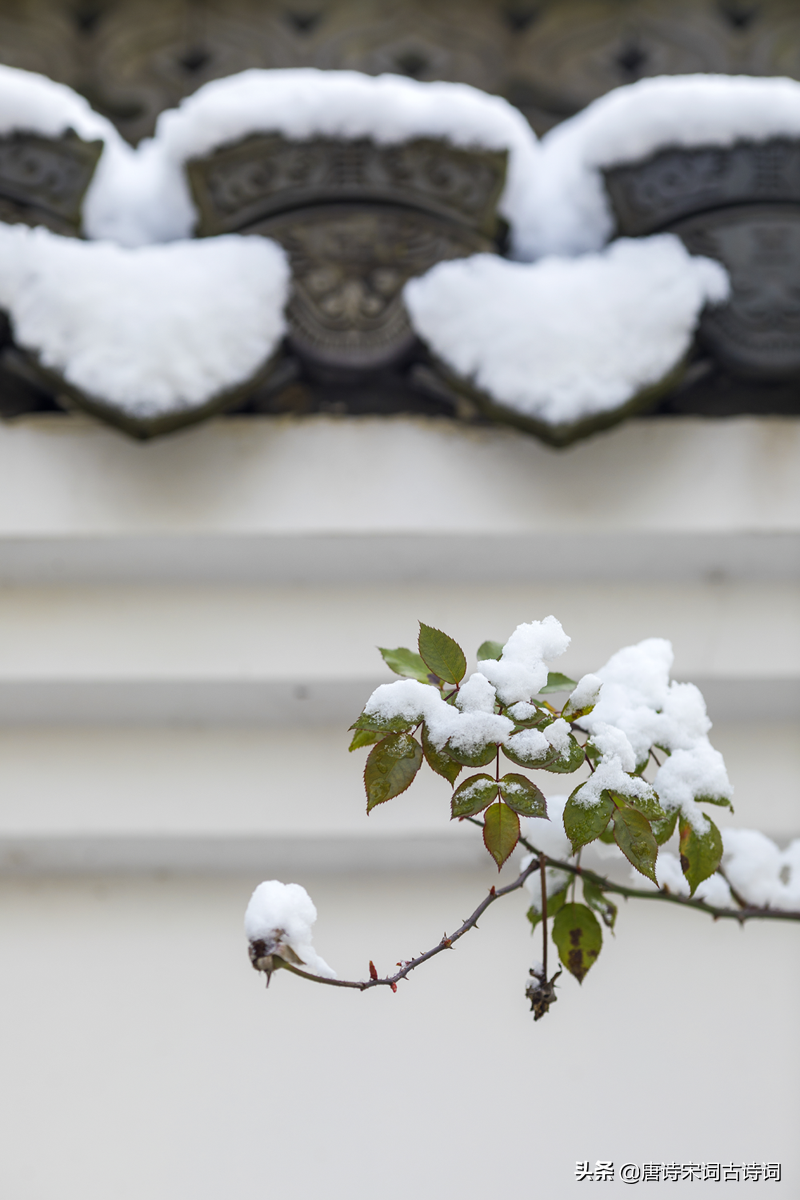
(592, 753)
(648, 806)
(554, 905)
(636, 840)
(473, 795)
(700, 852)
(365, 737)
(491, 650)
(406, 663)
(722, 801)
(441, 654)
(542, 716)
(372, 723)
(583, 823)
(391, 767)
(439, 760)
(523, 796)
(663, 830)
(579, 938)
(565, 766)
(573, 712)
(556, 682)
(473, 758)
(607, 836)
(599, 902)
(500, 832)
(526, 760)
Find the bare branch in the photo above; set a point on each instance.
(537, 863)
(447, 943)
(747, 912)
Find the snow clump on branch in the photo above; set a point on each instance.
(277, 925)
(643, 708)
(471, 721)
(762, 874)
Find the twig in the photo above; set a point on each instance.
(446, 943)
(537, 863)
(748, 912)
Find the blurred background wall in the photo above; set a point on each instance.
(189, 627)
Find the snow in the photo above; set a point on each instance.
(556, 881)
(568, 211)
(152, 331)
(611, 773)
(414, 702)
(133, 201)
(638, 700)
(759, 871)
(31, 103)
(669, 874)
(284, 912)
(304, 103)
(532, 744)
(690, 774)
(529, 744)
(565, 339)
(549, 837)
(613, 743)
(585, 692)
(471, 723)
(476, 695)
(557, 735)
(521, 671)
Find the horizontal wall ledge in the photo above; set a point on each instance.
(372, 558)
(244, 703)
(323, 475)
(263, 857)
(250, 644)
(274, 857)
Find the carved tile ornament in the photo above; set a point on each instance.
(358, 220)
(43, 180)
(741, 206)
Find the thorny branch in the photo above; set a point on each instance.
(747, 912)
(743, 913)
(446, 943)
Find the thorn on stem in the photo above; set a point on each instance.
(492, 890)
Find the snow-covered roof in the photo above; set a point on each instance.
(567, 209)
(562, 339)
(32, 103)
(152, 331)
(302, 104)
(553, 342)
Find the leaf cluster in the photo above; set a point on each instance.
(639, 825)
(399, 746)
(632, 817)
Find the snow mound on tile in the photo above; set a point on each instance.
(153, 330)
(568, 210)
(564, 339)
(149, 198)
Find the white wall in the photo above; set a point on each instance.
(186, 630)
